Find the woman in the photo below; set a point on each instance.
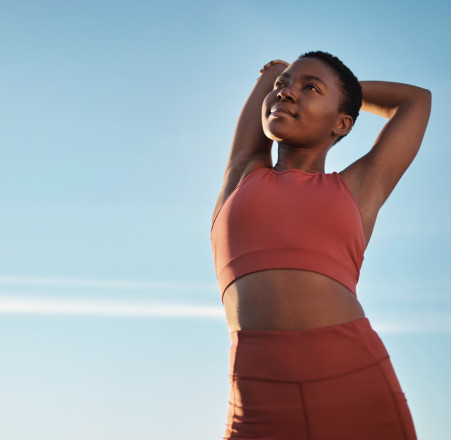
(288, 243)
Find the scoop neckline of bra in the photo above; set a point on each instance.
(288, 170)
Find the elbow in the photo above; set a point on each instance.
(426, 96)
(426, 92)
(421, 99)
(417, 98)
(427, 100)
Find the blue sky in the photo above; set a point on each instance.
(115, 125)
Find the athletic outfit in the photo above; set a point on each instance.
(289, 220)
(330, 383)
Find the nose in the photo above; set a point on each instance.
(285, 95)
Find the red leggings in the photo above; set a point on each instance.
(330, 383)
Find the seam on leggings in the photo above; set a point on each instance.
(401, 420)
(304, 408)
(233, 384)
(378, 364)
(232, 425)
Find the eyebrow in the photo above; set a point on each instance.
(306, 77)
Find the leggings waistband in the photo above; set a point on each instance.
(304, 355)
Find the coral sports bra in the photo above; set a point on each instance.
(289, 220)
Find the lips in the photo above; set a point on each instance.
(281, 111)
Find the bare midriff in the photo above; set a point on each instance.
(288, 299)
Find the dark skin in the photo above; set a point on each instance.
(300, 109)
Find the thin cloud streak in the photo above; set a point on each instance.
(52, 306)
(413, 323)
(13, 305)
(99, 283)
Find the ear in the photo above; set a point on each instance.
(344, 125)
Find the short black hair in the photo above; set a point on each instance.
(349, 84)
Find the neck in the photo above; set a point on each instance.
(309, 160)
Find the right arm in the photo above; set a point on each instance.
(251, 149)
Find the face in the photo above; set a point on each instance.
(303, 107)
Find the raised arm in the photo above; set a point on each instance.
(373, 177)
(250, 147)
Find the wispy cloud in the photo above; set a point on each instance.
(410, 323)
(384, 317)
(99, 307)
(99, 283)
(405, 291)
(60, 303)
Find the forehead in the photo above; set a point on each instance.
(312, 67)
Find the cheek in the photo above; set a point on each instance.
(267, 103)
(322, 114)
(265, 111)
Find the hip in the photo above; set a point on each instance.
(334, 382)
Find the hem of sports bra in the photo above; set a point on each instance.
(239, 267)
(352, 290)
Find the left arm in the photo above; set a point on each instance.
(373, 177)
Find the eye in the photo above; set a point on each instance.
(278, 84)
(311, 87)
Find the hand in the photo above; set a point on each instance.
(266, 66)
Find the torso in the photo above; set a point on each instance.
(291, 299)
(282, 299)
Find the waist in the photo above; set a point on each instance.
(305, 355)
(283, 299)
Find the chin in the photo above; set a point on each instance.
(273, 137)
(275, 134)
